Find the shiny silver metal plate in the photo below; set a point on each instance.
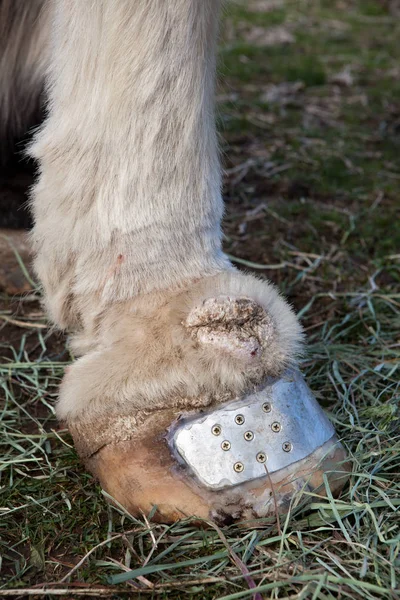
(268, 430)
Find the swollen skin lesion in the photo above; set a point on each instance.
(237, 326)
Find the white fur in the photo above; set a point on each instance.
(128, 199)
(143, 357)
(127, 213)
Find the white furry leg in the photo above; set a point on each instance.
(128, 245)
(128, 199)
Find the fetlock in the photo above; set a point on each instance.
(192, 347)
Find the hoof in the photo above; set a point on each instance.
(240, 460)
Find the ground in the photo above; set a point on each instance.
(309, 115)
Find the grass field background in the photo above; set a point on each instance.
(309, 115)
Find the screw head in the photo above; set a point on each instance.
(226, 445)
(287, 446)
(216, 429)
(261, 457)
(238, 467)
(276, 426)
(248, 436)
(239, 419)
(267, 407)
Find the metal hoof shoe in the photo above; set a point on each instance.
(243, 460)
(244, 440)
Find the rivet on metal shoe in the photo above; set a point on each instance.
(276, 426)
(226, 445)
(266, 407)
(238, 467)
(287, 446)
(248, 436)
(216, 429)
(261, 457)
(239, 419)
